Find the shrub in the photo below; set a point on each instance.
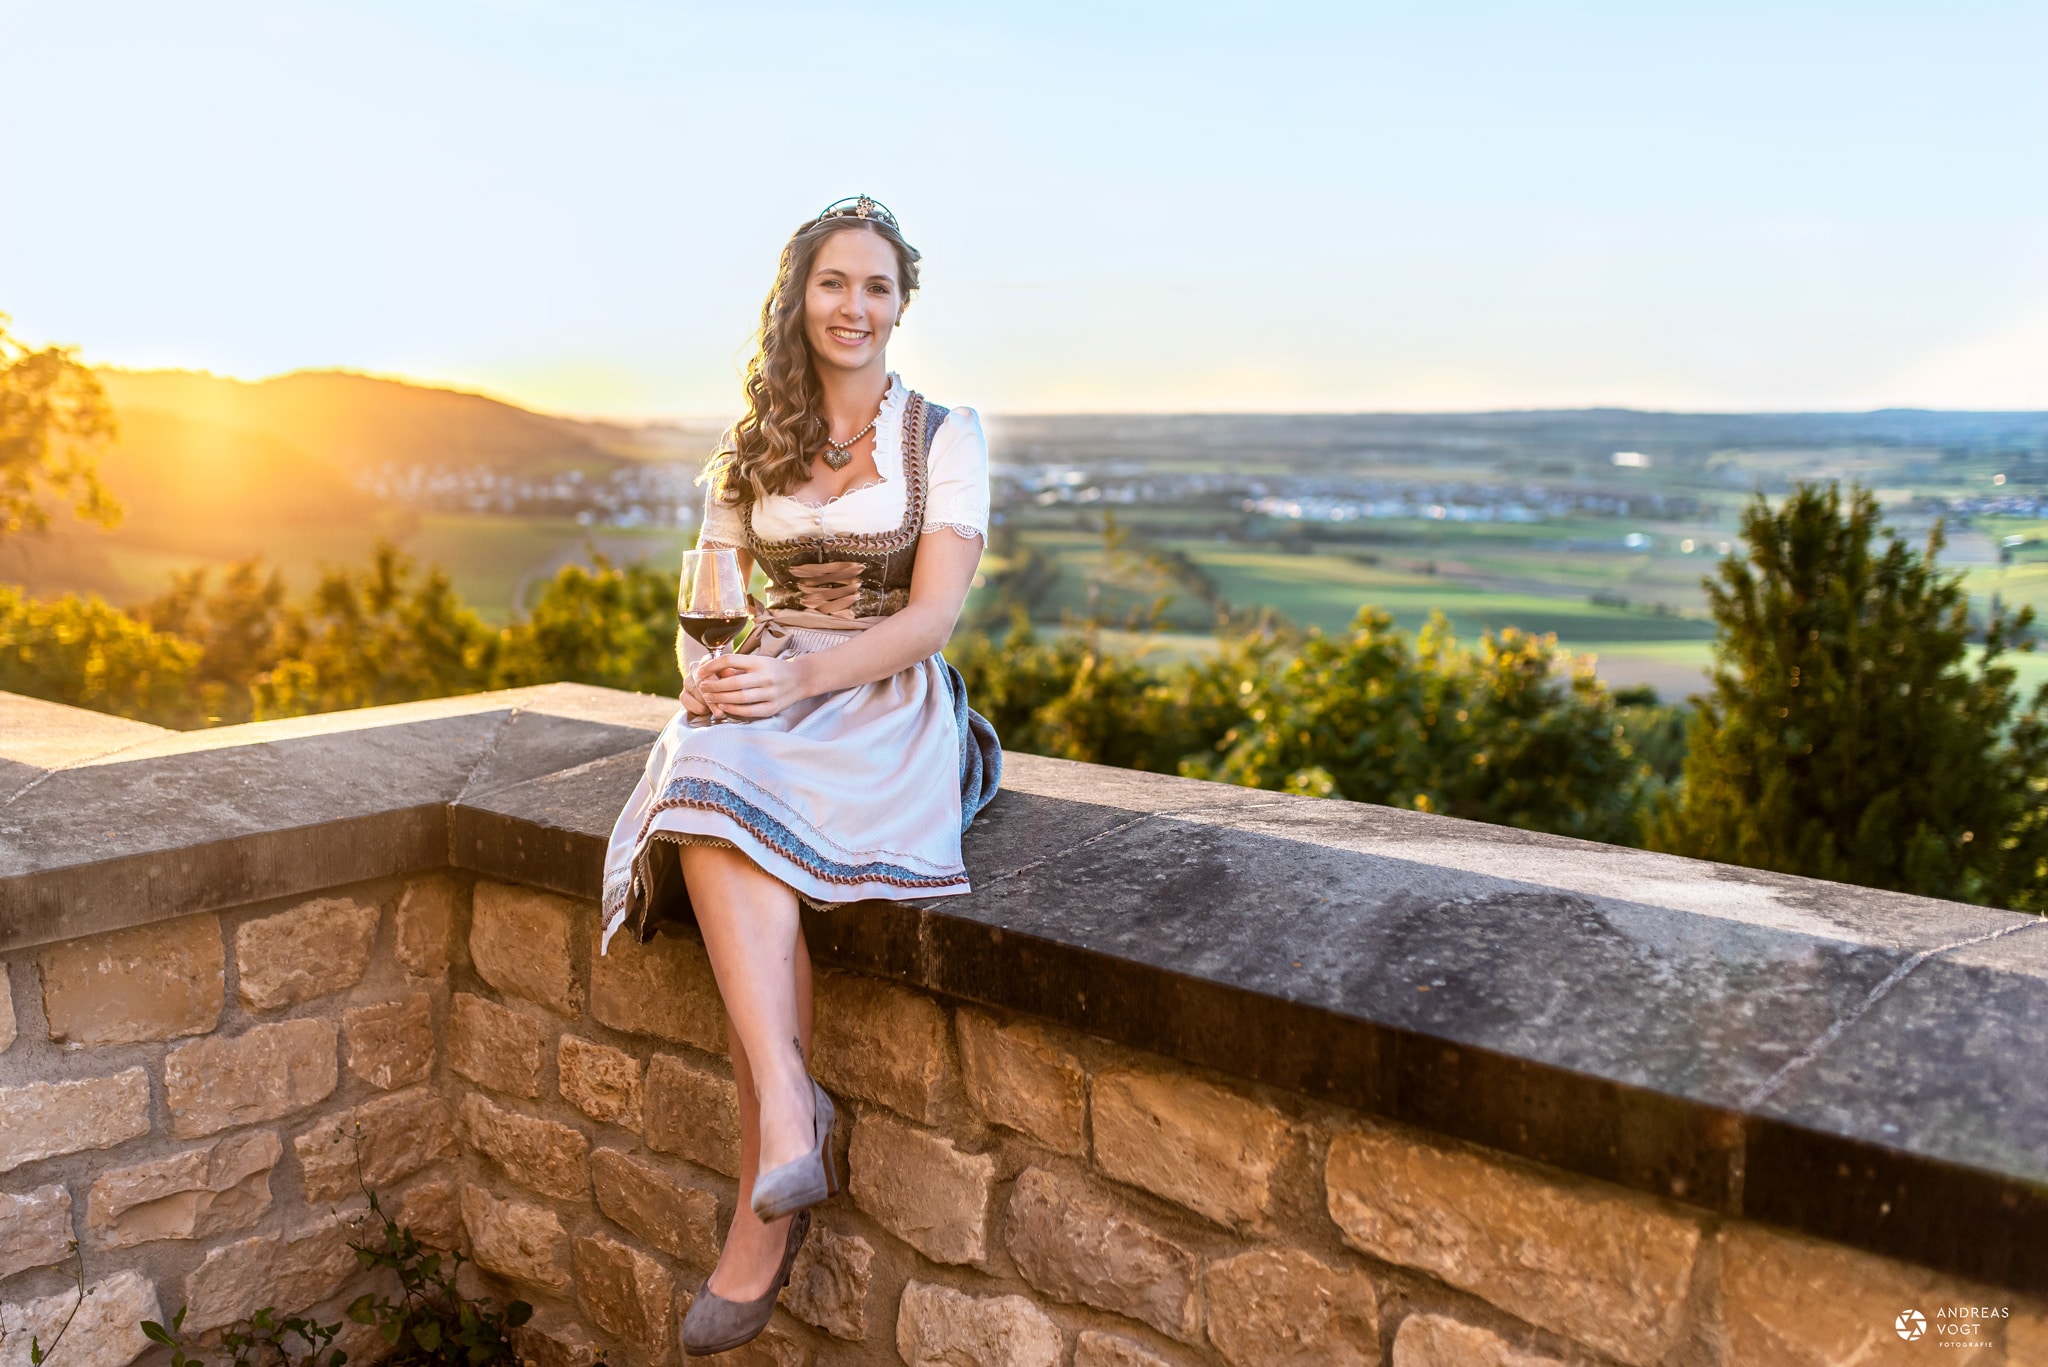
(1848, 735)
(83, 652)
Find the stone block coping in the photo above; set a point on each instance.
(1862, 1066)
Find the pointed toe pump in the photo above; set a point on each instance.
(804, 1181)
(717, 1325)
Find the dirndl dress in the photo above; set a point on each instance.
(860, 793)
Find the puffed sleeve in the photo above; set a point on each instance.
(958, 500)
(722, 524)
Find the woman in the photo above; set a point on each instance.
(848, 763)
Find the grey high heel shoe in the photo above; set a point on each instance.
(717, 1325)
(802, 1181)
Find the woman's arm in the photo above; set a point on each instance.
(760, 686)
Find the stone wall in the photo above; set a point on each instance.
(189, 1100)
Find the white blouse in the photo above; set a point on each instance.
(956, 499)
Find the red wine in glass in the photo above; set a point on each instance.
(710, 631)
(711, 604)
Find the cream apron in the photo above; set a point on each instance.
(849, 795)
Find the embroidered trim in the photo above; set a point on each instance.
(912, 447)
(738, 778)
(877, 482)
(718, 842)
(704, 795)
(966, 529)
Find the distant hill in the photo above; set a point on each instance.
(208, 469)
(349, 422)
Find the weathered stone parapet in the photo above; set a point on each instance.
(882, 1043)
(308, 951)
(692, 1110)
(1135, 1103)
(1021, 1076)
(604, 1083)
(922, 1188)
(219, 1188)
(521, 941)
(391, 1044)
(1066, 1199)
(265, 1072)
(104, 1329)
(937, 1326)
(148, 983)
(382, 1141)
(664, 1209)
(1609, 1268)
(48, 1119)
(831, 1283)
(194, 1147)
(497, 1047)
(1189, 1141)
(287, 1272)
(516, 1239)
(35, 1228)
(1075, 1240)
(542, 1156)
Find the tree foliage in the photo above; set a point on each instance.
(232, 646)
(53, 418)
(1515, 731)
(235, 627)
(383, 634)
(83, 652)
(605, 624)
(1848, 735)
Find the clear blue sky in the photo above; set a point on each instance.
(1122, 206)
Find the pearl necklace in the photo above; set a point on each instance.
(839, 457)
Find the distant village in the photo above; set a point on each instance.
(665, 494)
(642, 494)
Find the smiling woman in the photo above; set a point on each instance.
(857, 764)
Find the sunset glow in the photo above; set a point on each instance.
(1134, 208)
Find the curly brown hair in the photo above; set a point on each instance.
(768, 451)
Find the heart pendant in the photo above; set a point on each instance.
(837, 458)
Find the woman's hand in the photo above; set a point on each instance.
(693, 705)
(751, 686)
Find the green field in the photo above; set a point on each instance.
(498, 563)
(1326, 590)
(1612, 567)
(1483, 579)
(495, 561)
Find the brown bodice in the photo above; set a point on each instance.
(850, 575)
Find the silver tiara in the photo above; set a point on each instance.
(861, 207)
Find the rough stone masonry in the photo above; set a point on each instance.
(1061, 1153)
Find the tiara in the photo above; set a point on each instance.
(858, 206)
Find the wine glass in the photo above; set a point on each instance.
(711, 605)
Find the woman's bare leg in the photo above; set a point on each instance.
(755, 941)
(753, 1251)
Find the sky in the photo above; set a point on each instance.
(1123, 207)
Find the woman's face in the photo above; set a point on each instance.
(851, 301)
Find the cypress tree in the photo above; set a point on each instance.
(1848, 734)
